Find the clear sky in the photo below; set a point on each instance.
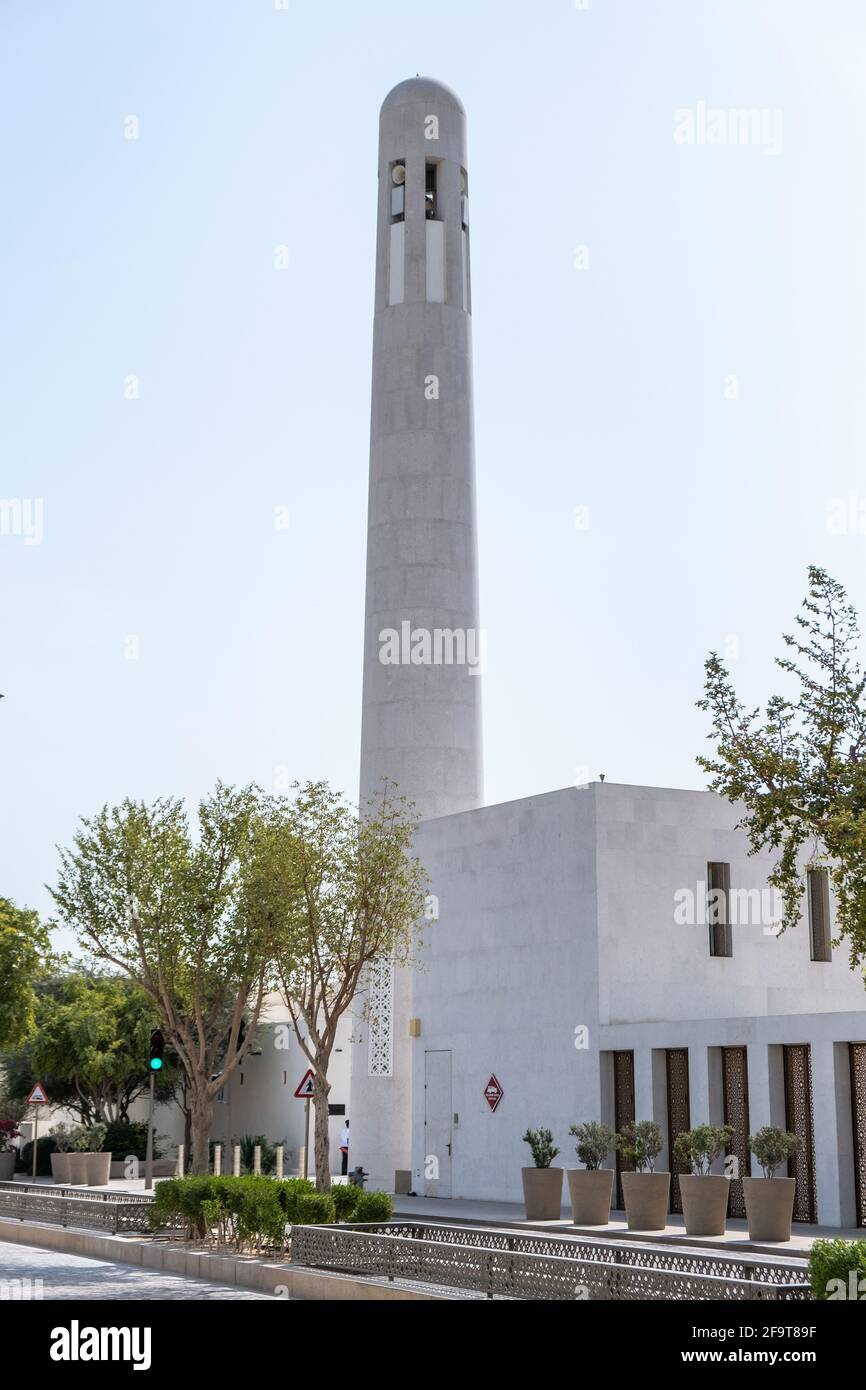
(164, 632)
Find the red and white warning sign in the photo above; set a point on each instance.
(307, 1088)
(37, 1095)
(493, 1093)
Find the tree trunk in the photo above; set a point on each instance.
(187, 1132)
(322, 1139)
(201, 1115)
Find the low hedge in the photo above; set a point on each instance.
(128, 1139)
(45, 1147)
(253, 1212)
(831, 1265)
(373, 1206)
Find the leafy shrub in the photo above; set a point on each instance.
(128, 1139)
(594, 1143)
(345, 1201)
(250, 1213)
(640, 1144)
(831, 1263)
(259, 1219)
(45, 1147)
(8, 1131)
(315, 1209)
(64, 1138)
(290, 1191)
(540, 1142)
(372, 1207)
(248, 1143)
(772, 1147)
(701, 1146)
(89, 1139)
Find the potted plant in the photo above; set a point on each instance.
(704, 1193)
(64, 1138)
(8, 1153)
(98, 1165)
(542, 1185)
(646, 1191)
(590, 1188)
(770, 1200)
(77, 1156)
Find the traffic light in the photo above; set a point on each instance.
(157, 1047)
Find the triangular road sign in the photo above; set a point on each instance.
(37, 1095)
(307, 1088)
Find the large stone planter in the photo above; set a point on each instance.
(542, 1193)
(60, 1167)
(705, 1204)
(98, 1169)
(590, 1191)
(7, 1166)
(77, 1168)
(769, 1207)
(646, 1200)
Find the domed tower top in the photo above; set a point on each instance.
(422, 89)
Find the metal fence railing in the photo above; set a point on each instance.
(518, 1265)
(81, 1207)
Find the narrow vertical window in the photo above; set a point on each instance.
(464, 200)
(718, 909)
(819, 914)
(398, 192)
(430, 194)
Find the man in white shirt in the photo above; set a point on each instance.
(344, 1148)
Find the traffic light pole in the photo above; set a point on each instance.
(148, 1162)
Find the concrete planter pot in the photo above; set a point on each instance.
(77, 1168)
(705, 1203)
(590, 1191)
(60, 1167)
(646, 1200)
(769, 1207)
(98, 1169)
(7, 1166)
(542, 1193)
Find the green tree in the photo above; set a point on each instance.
(352, 896)
(93, 1032)
(189, 919)
(799, 768)
(24, 949)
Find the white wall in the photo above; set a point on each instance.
(509, 974)
(558, 912)
(653, 842)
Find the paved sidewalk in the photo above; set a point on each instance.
(74, 1278)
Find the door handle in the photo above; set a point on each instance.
(449, 1150)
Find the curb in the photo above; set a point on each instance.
(281, 1280)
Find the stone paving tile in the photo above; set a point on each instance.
(76, 1278)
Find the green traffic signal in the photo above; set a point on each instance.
(157, 1046)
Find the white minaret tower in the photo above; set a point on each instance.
(422, 706)
(423, 647)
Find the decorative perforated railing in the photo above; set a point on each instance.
(518, 1265)
(75, 1206)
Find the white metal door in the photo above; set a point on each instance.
(437, 1124)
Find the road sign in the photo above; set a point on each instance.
(307, 1088)
(493, 1093)
(37, 1095)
